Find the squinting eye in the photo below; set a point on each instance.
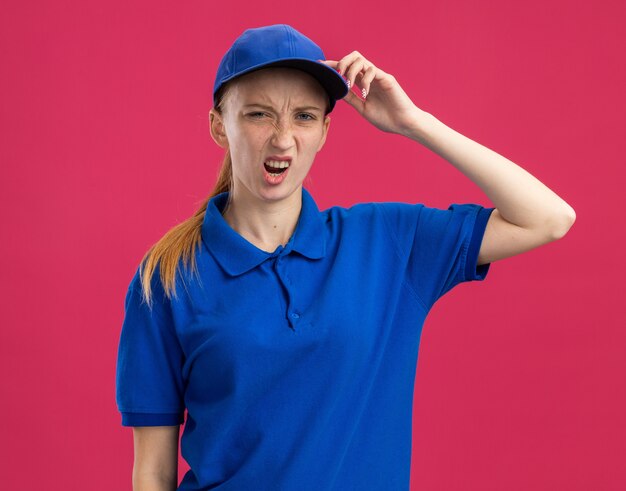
(307, 116)
(256, 114)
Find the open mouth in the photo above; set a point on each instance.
(276, 167)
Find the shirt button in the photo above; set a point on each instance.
(295, 316)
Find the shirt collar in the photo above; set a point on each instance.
(237, 256)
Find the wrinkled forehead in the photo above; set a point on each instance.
(278, 86)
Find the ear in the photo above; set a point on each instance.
(325, 132)
(216, 125)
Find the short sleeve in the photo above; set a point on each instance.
(149, 388)
(440, 247)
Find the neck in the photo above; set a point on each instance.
(266, 224)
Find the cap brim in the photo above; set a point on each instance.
(328, 77)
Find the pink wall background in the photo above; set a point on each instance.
(105, 146)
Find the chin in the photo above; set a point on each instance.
(278, 193)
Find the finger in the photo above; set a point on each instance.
(330, 63)
(354, 100)
(354, 69)
(366, 80)
(333, 64)
(346, 61)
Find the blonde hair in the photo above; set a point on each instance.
(182, 240)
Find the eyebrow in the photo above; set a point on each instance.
(269, 108)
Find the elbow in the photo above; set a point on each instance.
(561, 223)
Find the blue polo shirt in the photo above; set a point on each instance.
(297, 367)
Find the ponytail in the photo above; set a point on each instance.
(180, 242)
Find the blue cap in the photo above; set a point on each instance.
(279, 45)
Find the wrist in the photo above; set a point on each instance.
(421, 126)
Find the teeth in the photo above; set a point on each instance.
(277, 164)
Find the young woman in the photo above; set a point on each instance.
(293, 344)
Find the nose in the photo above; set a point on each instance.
(283, 135)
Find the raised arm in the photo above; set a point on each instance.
(156, 458)
(528, 214)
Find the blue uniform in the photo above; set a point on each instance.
(296, 367)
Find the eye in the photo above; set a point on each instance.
(256, 114)
(306, 116)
